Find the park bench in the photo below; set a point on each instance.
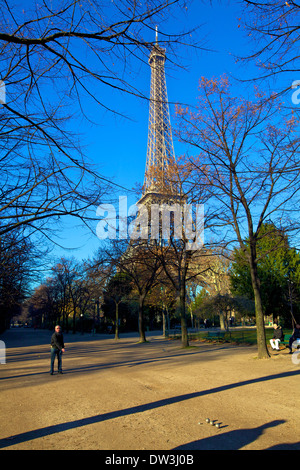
(286, 341)
(215, 335)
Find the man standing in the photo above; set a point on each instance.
(57, 348)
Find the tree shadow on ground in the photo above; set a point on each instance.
(85, 352)
(237, 439)
(252, 434)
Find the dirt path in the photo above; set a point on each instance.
(153, 396)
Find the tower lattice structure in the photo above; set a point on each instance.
(159, 181)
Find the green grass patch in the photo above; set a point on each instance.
(240, 336)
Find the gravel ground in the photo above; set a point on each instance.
(122, 395)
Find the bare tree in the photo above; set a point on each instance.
(117, 289)
(247, 157)
(54, 57)
(17, 258)
(142, 269)
(273, 27)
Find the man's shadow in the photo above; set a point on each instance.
(235, 440)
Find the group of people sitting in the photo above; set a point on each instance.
(278, 336)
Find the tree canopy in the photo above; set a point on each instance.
(278, 269)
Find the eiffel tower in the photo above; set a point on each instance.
(160, 173)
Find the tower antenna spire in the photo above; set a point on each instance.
(160, 152)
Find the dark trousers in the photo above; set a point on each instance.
(58, 353)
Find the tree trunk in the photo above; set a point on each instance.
(165, 325)
(222, 321)
(117, 321)
(263, 352)
(67, 323)
(141, 319)
(74, 322)
(181, 311)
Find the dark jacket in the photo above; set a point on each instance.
(278, 334)
(57, 341)
(296, 333)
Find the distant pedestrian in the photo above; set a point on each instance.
(57, 349)
(277, 337)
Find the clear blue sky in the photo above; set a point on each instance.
(116, 145)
